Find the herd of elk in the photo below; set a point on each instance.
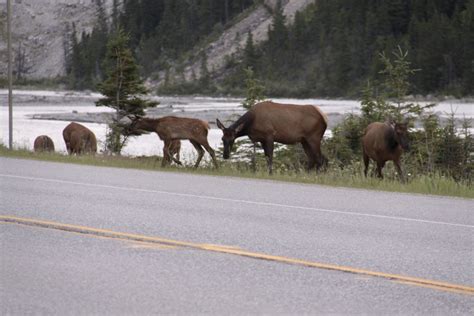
(266, 122)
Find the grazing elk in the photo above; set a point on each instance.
(79, 139)
(268, 122)
(172, 129)
(383, 142)
(43, 143)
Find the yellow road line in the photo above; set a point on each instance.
(147, 245)
(444, 286)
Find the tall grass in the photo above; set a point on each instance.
(350, 177)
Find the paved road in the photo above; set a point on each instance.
(51, 271)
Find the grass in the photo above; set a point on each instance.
(335, 177)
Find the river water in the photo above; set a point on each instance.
(30, 103)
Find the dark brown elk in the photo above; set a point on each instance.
(268, 122)
(79, 139)
(43, 143)
(383, 142)
(171, 129)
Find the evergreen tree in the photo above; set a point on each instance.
(67, 48)
(115, 16)
(254, 93)
(250, 58)
(204, 75)
(122, 90)
(77, 64)
(254, 89)
(278, 43)
(330, 50)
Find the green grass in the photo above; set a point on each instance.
(335, 177)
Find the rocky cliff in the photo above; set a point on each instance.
(40, 32)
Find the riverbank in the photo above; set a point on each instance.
(204, 108)
(423, 184)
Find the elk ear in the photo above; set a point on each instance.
(220, 125)
(132, 117)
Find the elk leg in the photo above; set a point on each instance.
(399, 170)
(68, 148)
(309, 154)
(315, 146)
(380, 166)
(366, 163)
(320, 159)
(166, 155)
(174, 151)
(176, 157)
(199, 150)
(211, 152)
(176, 160)
(268, 149)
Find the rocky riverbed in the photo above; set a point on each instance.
(204, 108)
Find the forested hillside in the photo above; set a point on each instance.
(331, 49)
(161, 31)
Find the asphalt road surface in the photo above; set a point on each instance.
(89, 240)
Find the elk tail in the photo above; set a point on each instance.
(323, 115)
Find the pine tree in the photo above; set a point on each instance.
(122, 89)
(76, 62)
(205, 77)
(115, 16)
(250, 58)
(278, 34)
(254, 93)
(254, 89)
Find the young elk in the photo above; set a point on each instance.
(383, 142)
(43, 143)
(171, 129)
(79, 139)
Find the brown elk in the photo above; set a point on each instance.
(383, 142)
(79, 139)
(268, 122)
(172, 129)
(43, 143)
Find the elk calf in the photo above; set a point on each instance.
(79, 139)
(43, 143)
(171, 129)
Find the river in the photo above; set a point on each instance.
(58, 108)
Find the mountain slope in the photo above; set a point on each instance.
(39, 31)
(234, 38)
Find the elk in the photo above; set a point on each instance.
(79, 139)
(173, 129)
(383, 142)
(43, 143)
(268, 122)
